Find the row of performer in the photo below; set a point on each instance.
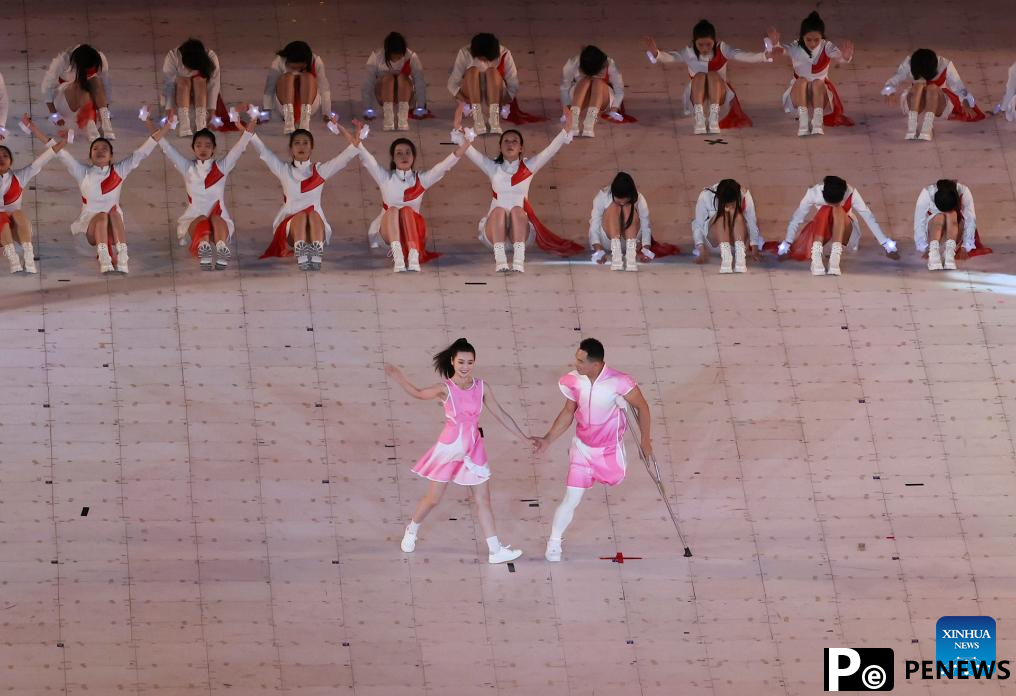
(945, 223)
(484, 78)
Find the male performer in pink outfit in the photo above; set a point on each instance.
(595, 396)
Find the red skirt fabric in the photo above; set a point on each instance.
(280, 244)
(86, 113)
(661, 249)
(415, 237)
(625, 118)
(818, 229)
(735, 118)
(519, 117)
(836, 117)
(957, 110)
(201, 232)
(979, 249)
(547, 240)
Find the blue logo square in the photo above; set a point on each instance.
(970, 639)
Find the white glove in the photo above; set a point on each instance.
(887, 90)
(615, 116)
(597, 255)
(144, 113)
(369, 113)
(466, 109)
(420, 111)
(648, 253)
(216, 122)
(364, 132)
(234, 115)
(889, 246)
(54, 117)
(70, 136)
(457, 137)
(767, 44)
(651, 57)
(505, 110)
(3, 132)
(21, 125)
(783, 248)
(333, 127)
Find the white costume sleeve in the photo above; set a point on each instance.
(864, 211)
(31, 171)
(378, 173)
(235, 152)
(670, 56)
(569, 76)
(371, 74)
(51, 80)
(324, 89)
(169, 73)
(419, 82)
(902, 75)
(955, 83)
(921, 215)
(744, 56)
(616, 83)
(812, 198)
(703, 215)
(76, 169)
(484, 163)
(214, 81)
(275, 165)
(537, 162)
(336, 164)
(179, 162)
(463, 61)
(834, 53)
(104, 76)
(645, 230)
(433, 175)
(275, 71)
(597, 235)
(969, 217)
(511, 75)
(130, 163)
(1008, 103)
(5, 102)
(751, 221)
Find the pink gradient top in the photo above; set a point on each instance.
(600, 420)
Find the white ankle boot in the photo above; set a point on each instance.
(911, 126)
(934, 256)
(478, 124)
(29, 254)
(302, 252)
(500, 258)
(714, 118)
(818, 122)
(222, 254)
(288, 123)
(317, 252)
(740, 258)
(184, 128)
(834, 258)
(802, 121)
(631, 254)
(927, 126)
(105, 260)
(576, 115)
(200, 118)
(122, 258)
(11, 252)
(592, 114)
(726, 258)
(700, 120)
(817, 264)
(494, 118)
(388, 114)
(413, 263)
(305, 116)
(107, 126)
(403, 115)
(206, 255)
(397, 258)
(519, 257)
(616, 259)
(948, 257)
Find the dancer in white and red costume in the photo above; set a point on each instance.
(191, 81)
(728, 211)
(591, 81)
(76, 86)
(15, 228)
(297, 85)
(5, 105)
(1007, 106)
(393, 76)
(400, 224)
(101, 222)
(300, 226)
(485, 73)
(621, 214)
(945, 225)
(206, 226)
(811, 89)
(936, 90)
(459, 455)
(838, 206)
(511, 216)
(595, 397)
(706, 60)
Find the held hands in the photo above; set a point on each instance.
(540, 445)
(772, 42)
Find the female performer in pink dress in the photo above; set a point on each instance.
(459, 455)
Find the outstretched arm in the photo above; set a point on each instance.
(641, 406)
(500, 415)
(275, 165)
(561, 424)
(438, 391)
(540, 160)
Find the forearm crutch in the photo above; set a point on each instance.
(654, 473)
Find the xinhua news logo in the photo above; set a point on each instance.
(964, 649)
(861, 669)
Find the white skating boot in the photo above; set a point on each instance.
(184, 127)
(413, 263)
(105, 260)
(590, 123)
(948, 256)
(740, 258)
(934, 256)
(11, 252)
(494, 118)
(726, 258)
(818, 122)
(616, 259)
(500, 258)
(802, 121)
(288, 124)
(107, 126)
(576, 115)
(388, 114)
(519, 257)
(222, 254)
(397, 257)
(479, 126)
(29, 254)
(834, 258)
(700, 120)
(817, 264)
(631, 255)
(403, 116)
(927, 126)
(122, 258)
(305, 116)
(911, 126)
(200, 119)
(714, 118)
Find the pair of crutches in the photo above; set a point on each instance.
(653, 468)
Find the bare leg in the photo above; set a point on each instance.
(403, 89)
(799, 93)
(485, 515)
(6, 237)
(495, 86)
(98, 229)
(599, 94)
(285, 89)
(315, 227)
(496, 229)
(916, 97)
(934, 99)
(740, 229)
(429, 501)
(200, 86)
(952, 227)
(841, 224)
(612, 221)
(192, 229)
(719, 228)
(581, 94)
(716, 89)
(298, 229)
(386, 88)
(936, 228)
(98, 91)
(818, 94)
(183, 92)
(308, 88)
(698, 88)
(470, 89)
(220, 230)
(21, 227)
(116, 227)
(519, 225)
(390, 225)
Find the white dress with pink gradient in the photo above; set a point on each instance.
(459, 455)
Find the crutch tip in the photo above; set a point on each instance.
(687, 552)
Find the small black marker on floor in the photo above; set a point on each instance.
(511, 567)
(84, 511)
